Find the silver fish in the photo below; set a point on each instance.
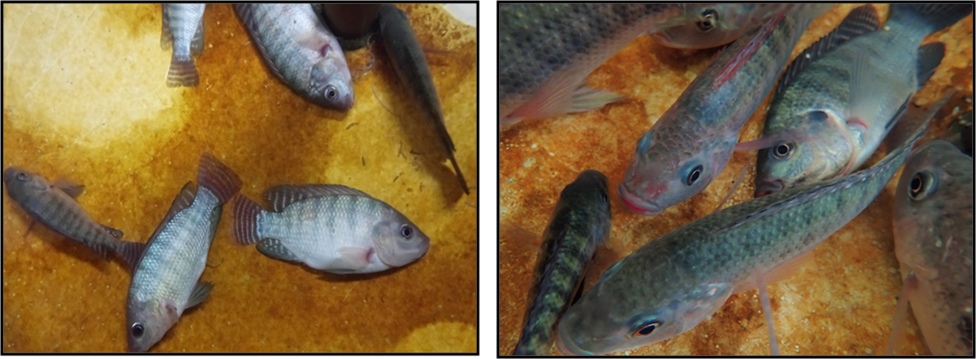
(165, 279)
(933, 227)
(693, 141)
(720, 24)
(301, 51)
(671, 284)
(332, 228)
(839, 98)
(411, 65)
(183, 32)
(580, 222)
(546, 51)
(55, 207)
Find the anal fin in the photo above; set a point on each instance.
(272, 248)
(589, 99)
(929, 58)
(196, 45)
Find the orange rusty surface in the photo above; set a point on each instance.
(840, 303)
(85, 98)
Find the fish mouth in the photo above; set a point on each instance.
(769, 187)
(568, 347)
(636, 204)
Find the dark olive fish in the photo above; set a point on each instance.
(183, 32)
(301, 51)
(165, 279)
(580, 222)
(409, 62)
(54, 206)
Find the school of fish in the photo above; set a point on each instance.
(830, 110)
(329, 227)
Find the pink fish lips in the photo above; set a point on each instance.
(635, 203)
(769, 187)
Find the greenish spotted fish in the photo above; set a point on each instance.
(580, 222)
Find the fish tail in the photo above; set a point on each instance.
(246, 220)
(218, 178)
(129, 252)
(559, 278)
(933, 17)
(182, 72)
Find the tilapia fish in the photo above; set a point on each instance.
(842, 95)
(671, 284)
(332, 228)
(411, 65)
(692, 142)
(55, 207)
(166, 278)
(183, 32)
(301, 51)
(720, 24)
(934, 243)
(580, 222)
(546, 51)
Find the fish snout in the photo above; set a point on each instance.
(346, 102)
(635, 203)
(769, 187)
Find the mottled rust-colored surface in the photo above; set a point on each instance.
(841, 303)
(85, 98)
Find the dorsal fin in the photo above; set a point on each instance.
(182, 201)
(859, 21)
(283, 195)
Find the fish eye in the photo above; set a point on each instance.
(137, 330)
(406, 232)
(647, 328)
(694, 175)
(920, 186)
(817, 116)
(21, 176)
(782, 150)
(709, 16)
(331, 93)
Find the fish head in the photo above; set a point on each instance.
(19, 181)
(815, 150)
(607, 320)
(666, 171)
(398, 241)
(934, 194)
(331, 83)
(148, 321)
(709, 25)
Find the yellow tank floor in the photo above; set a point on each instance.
(85, 98)
(841, 303)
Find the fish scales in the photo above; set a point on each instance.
(301, 51)
(580, 222)
(165, 279)
(331, 228)
(933, 228)
(410, 64)
(547, 50)
(677, 280)
(693, 140)
(53, 206)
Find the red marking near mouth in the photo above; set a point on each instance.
(630, 206)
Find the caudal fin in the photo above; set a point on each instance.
(217, 178)
(182, 72)
(246, 214)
